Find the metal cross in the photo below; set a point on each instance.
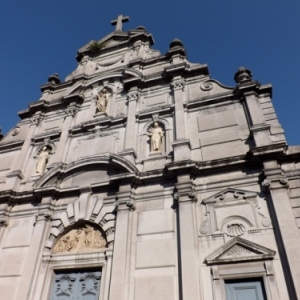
(119, 22)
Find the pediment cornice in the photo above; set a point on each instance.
(238, 250)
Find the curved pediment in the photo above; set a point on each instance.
(88, 171)
(213, 86)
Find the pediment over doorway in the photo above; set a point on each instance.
(238, 250)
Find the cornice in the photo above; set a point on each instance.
(11, 146)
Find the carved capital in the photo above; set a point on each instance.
(275, 183)
(130, 204)
(185, 196)
(4, 221)
(71, 110)
(283, 180)
(266, 184)
(133, 96)
(43, 216)
(178, 84)
(36, 120)
(125, 205)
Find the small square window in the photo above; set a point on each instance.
(76, 284)
(245, 289)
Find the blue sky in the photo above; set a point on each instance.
(39, 38)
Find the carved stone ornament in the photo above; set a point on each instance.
(156, 137)
(206, 86)
(235, 229)
(3, 221)
(134, 95)
(84, 238)
(238, 251)
(35, 120)
(283, 180)
(204, 228)
(178, 84)
(266, 184)
(102, 99)
(16, 131)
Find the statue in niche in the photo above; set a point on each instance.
(156, 135)
(84, 238)
(43, 158)
(102, 100)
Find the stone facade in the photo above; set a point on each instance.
(142, 166)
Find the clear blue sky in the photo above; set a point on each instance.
(39, 38)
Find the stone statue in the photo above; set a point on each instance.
(156, 134)
(43, 158)
(84, 238)
(102, 100)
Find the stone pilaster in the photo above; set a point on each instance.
(120, 266)
(286, 230)
(63, 144)
(33, 258)
(20, 162)
(181, 145)
(187, 240)
(130, 140)
(248, 88)
(258, 127)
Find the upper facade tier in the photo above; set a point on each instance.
(150, 110)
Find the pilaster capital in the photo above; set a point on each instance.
(43, 216)
(125, 199)
(184, 196)
(36, 119)
(275, 183)
(178, 84)
(71, 110)
(125, 205)
(133, 95)
(4, 220)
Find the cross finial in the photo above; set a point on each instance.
(119, 22)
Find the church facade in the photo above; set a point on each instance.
(141, 177)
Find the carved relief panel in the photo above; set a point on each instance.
(82, 238)
(233, 212)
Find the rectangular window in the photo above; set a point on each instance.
(76, 284)
(245, 289)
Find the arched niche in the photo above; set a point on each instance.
(79, 238)
(145, 138)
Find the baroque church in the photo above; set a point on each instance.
(140, 177)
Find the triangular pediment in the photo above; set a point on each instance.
(230, 194)
(117, 39)
(238, 250)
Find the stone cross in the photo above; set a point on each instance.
(119, 22)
